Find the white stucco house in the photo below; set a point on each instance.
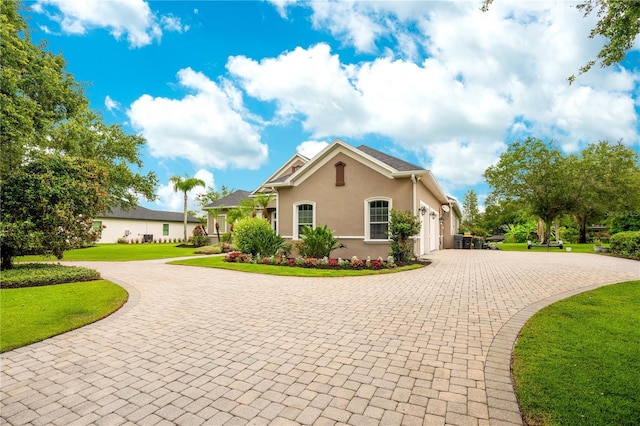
(142, 223)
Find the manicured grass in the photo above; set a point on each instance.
(578, 360)
(575, 248)
(217, 262)
(28, 315)
(119, 252)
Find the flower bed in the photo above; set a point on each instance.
(312, 262)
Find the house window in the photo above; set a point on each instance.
(165, 229)
(221, 220)
(377, 219)
(304, 216)
(96, 225)
(340, 173)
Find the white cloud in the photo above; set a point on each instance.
(281, 6)
(458, 164)
(170, 200)
(208, 127)
(311, 82)
(45, 29)
(132, 19)
(342, 19)
(456, 83)
(110, 104)
(309, 149)
(173, 23)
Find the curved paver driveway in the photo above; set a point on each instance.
(195, 346)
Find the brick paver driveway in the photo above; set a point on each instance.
(195, 346)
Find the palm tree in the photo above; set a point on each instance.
(185, 185)
(262, 200)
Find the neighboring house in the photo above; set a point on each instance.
(218, 211)
(141, 223)
(352, 190)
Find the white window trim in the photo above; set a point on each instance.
(223, 224)
(367, 227)
(295, 217)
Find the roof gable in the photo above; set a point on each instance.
(382, 163)
(285, 171)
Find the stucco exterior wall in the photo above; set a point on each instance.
(343, 208)
(450, 228)
(116, 228)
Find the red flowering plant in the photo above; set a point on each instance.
(236, 256)
(375, 264)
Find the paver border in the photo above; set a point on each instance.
(502, 400)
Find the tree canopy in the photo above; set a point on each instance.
(48, 206)
(45, 116)
(535, 177)
(470, 210)
(538, 175)
(612, 183)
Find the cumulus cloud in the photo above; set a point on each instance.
(132, 19)
(173, 23)
(170, 200)
(110, 104)
(456, 85)
(209, 126)
(309, 149)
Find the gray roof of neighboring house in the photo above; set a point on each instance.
(396, 163)
(141, 213)
(232, 200)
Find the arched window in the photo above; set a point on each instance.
(377, 218)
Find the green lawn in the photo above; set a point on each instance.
(119, 252)
(31, 314)
(575, 248)
(217, 262)
(578, 360)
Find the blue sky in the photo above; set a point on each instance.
(229, 90)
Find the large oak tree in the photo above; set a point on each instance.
(43, 110)
(612, 184)
(539, 176)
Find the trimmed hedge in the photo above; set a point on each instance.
(626, 244)
(37, 274)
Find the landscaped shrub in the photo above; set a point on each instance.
(402, 226)
(199, 237)
(122, 240)
(311, 262)
(626, 244)
(254, 235)
(318, 242)
(37, 274)
(208, 250)
(227, 237)
(520, 233)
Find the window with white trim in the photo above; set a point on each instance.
(304, 216)
(221, 220)
(377, 219)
